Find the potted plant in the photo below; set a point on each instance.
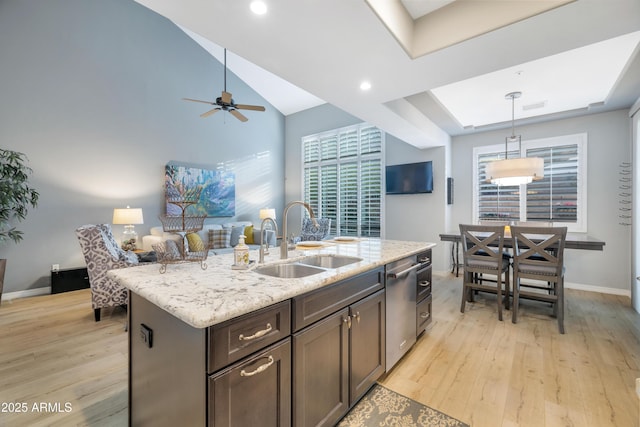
(16, 196)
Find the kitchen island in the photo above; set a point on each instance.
(210, 346)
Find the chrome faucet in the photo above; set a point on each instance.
(264, 243)
(284, 246)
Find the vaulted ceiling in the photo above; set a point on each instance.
(577, 57)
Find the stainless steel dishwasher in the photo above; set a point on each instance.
(401, 308)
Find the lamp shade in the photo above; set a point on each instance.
(515, 171)
(127, 216)
(267, 213)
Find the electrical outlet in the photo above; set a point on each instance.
(55, 267)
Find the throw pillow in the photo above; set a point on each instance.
(173, 251)
(195, 243)
(219, 239)
(248, 234)
(235, 235)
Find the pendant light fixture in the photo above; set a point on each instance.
(518, 171)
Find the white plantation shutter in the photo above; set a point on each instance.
(370, 198)
(343, 172)
(555, 198)
(348, 224)
(329, 199)
(494, 202)
(559, 197)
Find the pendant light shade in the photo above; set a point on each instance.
(518, 171)
(515, 171)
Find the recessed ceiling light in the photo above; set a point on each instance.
(365, 85)
(258, 7)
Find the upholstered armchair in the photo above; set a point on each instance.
(311, 231)
(102, 253)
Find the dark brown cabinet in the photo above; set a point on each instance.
(234, 339)
(336, 360)
(301, 362)
(254, 392)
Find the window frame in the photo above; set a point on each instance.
(580, 139)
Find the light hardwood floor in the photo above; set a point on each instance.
(490, 373)
(470, 366)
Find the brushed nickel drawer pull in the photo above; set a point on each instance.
(347, 320)
(259, 369)
(424, 315)
(424, 260)
(258, 334)
(358, 317)
(424, 283)
(399, 274)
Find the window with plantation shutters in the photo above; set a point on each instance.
(560, 197)
(343, 172)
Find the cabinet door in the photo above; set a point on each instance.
(254, 392)
(321, 372)
(367, 360)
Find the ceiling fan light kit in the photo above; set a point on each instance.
(225, 102)
(517, 171)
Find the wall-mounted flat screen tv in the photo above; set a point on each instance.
(411, 178)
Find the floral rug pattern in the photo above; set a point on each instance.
(383, 407)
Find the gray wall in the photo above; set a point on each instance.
(419, 217)
(609, 144)
(91, 92)
(308, 122)
(424, 217)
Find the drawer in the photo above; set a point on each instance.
(423, 315)
(232, 340)
(424, 257)
(315, 305)
(423, 283)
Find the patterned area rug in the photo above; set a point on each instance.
(383, 407)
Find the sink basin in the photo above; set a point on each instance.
(288, 271)
(329, 261)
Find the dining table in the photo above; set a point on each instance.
(580, 241)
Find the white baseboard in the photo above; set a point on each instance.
(28, 293)
(568, 285)
(599, 289)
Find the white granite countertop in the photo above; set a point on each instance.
(202, 298)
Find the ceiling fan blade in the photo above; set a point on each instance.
(226, 97)
(197, 100)
(250, 107)
(238, 115)
(210, 112)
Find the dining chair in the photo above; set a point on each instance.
(483, 254)
(539, 256)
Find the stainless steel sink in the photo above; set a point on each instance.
(329, 261)
(288, 271)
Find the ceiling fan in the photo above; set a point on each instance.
(225, 102)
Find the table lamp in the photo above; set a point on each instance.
(268, 213)
(128, 217)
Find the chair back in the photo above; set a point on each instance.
(539, 251)
(101, 254)
(311, 231)
(482, 247)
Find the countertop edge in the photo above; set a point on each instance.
(204, 304)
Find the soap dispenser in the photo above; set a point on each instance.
(241, 254)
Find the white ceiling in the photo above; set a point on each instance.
(328, 47)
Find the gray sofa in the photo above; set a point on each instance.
(158, 235)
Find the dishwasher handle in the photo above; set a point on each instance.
(399, 274)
